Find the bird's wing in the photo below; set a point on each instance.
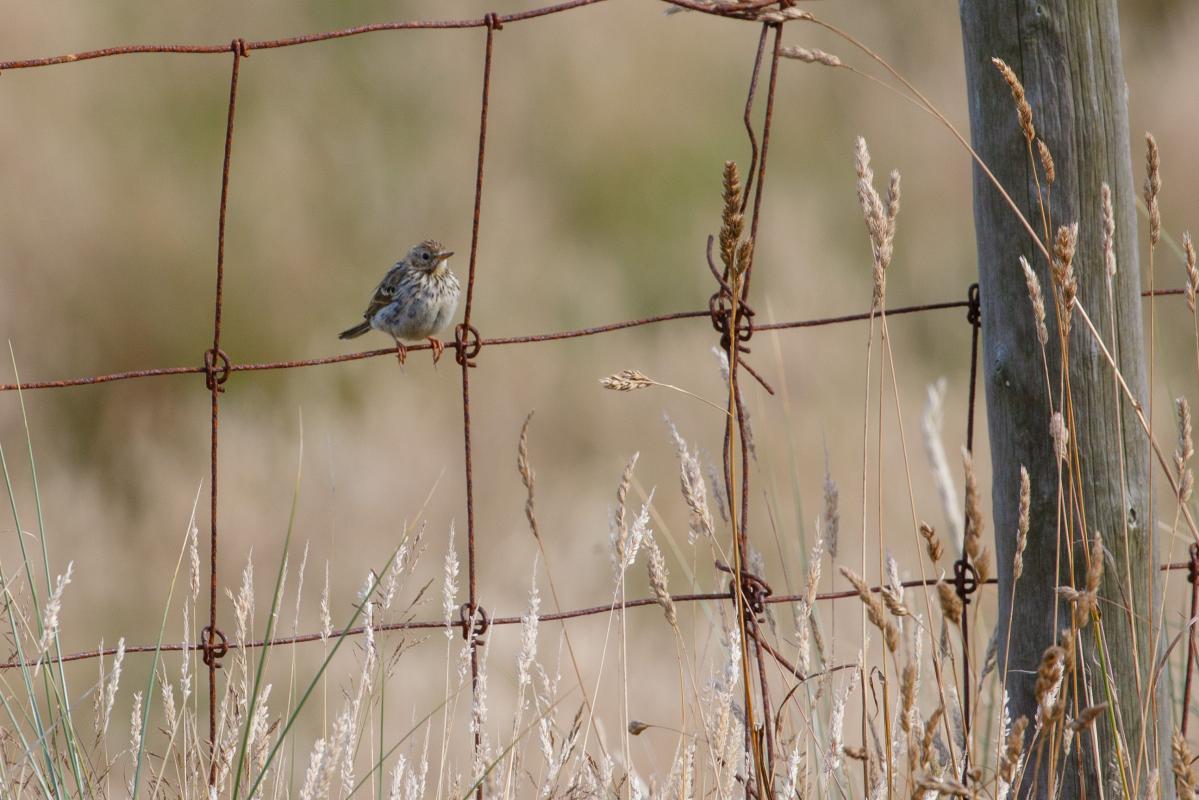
(385, 292)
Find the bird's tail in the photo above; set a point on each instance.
(356, 331)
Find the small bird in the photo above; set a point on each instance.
(416, 299)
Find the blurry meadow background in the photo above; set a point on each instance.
(609, 126)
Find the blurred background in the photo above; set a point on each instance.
(609, 127)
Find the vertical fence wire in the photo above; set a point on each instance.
(216, 365)
(475, 617)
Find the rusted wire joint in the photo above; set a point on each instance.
(720, 308)
(965, 579)
(475, 622)
(238, 46)
(1193, 567)
(214, 375)
(974, 313)
(492, 20)
(213, 653)
(467, 351)
(754, 591)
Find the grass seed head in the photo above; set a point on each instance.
(627, 380)
(1023, 109)
(1153, 187)
(810, 56)
(1046, 162)
(1022, 522)
(1109, 232)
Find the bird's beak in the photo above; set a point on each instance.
(442, 256)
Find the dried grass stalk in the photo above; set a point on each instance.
(1188, 248)
(1186, 784)
(879, 218)
(1182, 455)
(980, 556)
(658, 577)
(1049, 683)
(1023, 109)
(627, 380)
(1153, 187)
(1046, 162)
(1037, 299)
(1087, 717)
(527, 476)
(732, 222)
(1065, 281)
(1013, 749)
(1109, 232)
(695, 491)
(932, 542)
(951, 604)
(1060, 435)
(621, 522)
(1086, 601)
(810, 56)
(875, 610)
(927, 751)
(832, 516)
(1022, 522)
(784, 15)
(932, 422)
(908, 682)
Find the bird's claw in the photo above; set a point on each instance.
(401, 353)
(438, 348)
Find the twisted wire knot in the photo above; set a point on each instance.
(475, 622)
(720, 310)
(467, 351)
(213, 653)
(239, 47)
(215, 375)
(492, 21)
(965, 579)
(974, 313)
(754, 591)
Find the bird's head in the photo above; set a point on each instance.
(428, 256)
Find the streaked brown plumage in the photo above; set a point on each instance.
(416, 299)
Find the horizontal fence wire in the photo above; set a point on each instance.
(817, 322)
(731, 316)
(750, 11)
(458, 624)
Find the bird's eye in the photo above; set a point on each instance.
(424, 256)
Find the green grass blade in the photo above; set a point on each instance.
(378, 767)
(270, 624)
(295, 713)
(153, 679)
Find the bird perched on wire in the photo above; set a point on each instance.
(416, 299)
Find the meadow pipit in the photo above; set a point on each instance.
(415, 300)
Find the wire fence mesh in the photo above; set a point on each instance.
(731, 317)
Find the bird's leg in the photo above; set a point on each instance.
(401, 352)
(438, 348)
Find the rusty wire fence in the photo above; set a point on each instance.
(732, 319)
